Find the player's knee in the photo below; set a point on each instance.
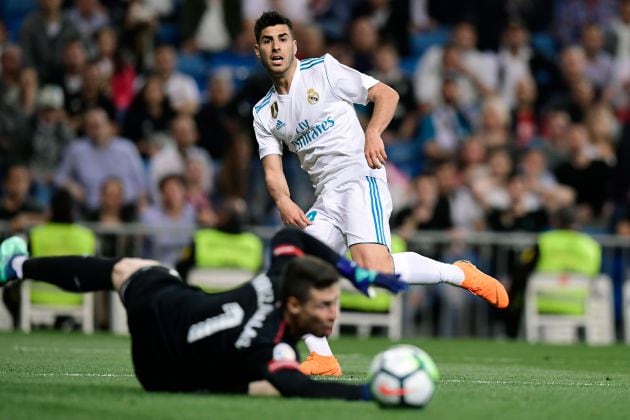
(124, 268)
(373, 259)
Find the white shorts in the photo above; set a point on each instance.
(354, 212)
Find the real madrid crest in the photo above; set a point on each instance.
(274, 109)
(311, 96)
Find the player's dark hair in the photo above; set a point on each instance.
(271, 18)
(302, 274)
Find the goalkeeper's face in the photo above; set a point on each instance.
(317, 314)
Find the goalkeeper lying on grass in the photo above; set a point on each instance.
(239, 341)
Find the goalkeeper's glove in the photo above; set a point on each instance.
(363, 279)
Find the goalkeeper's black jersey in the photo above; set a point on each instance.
(184, 339)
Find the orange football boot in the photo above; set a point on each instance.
(316, 364)
(481, 284)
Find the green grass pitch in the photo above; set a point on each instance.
(52, 375)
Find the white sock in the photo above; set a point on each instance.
(17, 263)
(317, 345)
(417, 269)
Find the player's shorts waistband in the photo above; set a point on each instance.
(138, 273)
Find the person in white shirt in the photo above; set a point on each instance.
(309, 109)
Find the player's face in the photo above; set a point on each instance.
(276, 49)
(318, 314)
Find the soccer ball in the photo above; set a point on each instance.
(403, 376)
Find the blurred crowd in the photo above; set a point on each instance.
(141, 109)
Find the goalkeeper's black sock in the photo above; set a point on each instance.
(72, 273)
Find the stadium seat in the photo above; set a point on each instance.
(384, 310)
(626, 310)
(41, 302)
(557, 306)
(224, 260)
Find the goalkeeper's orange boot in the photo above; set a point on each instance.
(316, 364)
(481, 284)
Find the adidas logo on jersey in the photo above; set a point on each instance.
(279, 124)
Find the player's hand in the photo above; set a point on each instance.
(363, 279)
(374, 150)
(292, 214)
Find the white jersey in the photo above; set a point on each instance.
(317, 120)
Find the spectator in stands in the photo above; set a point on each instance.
(518, 58)
(617, 38)
(443, 130)
(387, 70)
(150, 113)
(582, 96)
(588, 175)
(490, 189)
(554, 144)
(92, 159)
(17, 207)
(43, 37)
(234, 178)
(494, 127)
(363, 38)
(312, 41)
(520, 211)
(525, 119)
(89, 16)
(538, 179)
(116, 66)
(181, 89)
(113, 212)
(602, 127)
(209, 26)
(428, 211)
(29, 88)
(4, 38)
(573, 71)
(10, 73)
(140, 24)
(171, 211)
(71, 74)
(92, 95)
(570, 16)
(474, 72)
(47, 134)
(198, 189)
(172, 158)
(599, 63)
(218, 118)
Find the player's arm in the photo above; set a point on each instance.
(385, 101)
(278, 188)
(290, 382)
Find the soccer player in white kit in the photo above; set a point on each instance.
(310, 110)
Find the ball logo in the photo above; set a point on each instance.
(311, 96)
(392, 392)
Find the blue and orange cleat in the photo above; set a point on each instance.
(480, 284)
(316, 364)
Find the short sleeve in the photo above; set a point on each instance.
(267, 143)
(347, 83)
